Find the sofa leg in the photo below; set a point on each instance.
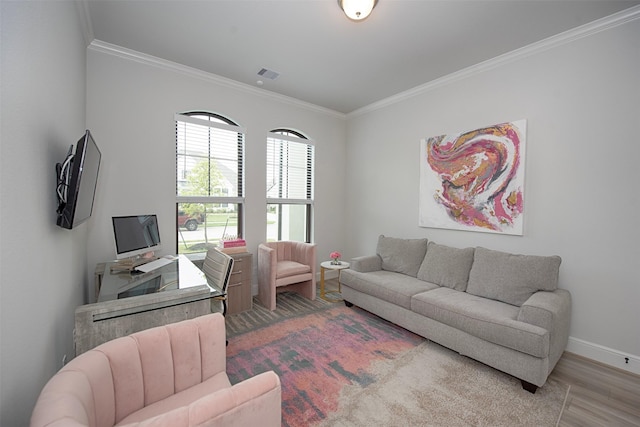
(347, 303)
(531, 388)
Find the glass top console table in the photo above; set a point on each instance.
(131, 302)
(179, 274)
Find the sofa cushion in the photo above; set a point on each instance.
(389, 286)
(446, 266)
(490, 320)
(511, 278)
(401, 255)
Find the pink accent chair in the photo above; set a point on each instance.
(172, 375)
(286, 266)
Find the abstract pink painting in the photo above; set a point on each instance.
(474, 180)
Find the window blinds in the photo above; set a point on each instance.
(209, 159)
(289, 169)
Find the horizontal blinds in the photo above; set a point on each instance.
(209, 158)
(289, 169)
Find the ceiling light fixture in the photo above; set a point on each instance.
(357, 10)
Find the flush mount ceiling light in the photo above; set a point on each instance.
(357, 10)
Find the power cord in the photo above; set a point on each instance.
(63, 176)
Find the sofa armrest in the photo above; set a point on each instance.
(552, 312)
(367, 263)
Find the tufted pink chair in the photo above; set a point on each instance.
(173, 375)
(286, 266)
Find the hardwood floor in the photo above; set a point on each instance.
(600, 395)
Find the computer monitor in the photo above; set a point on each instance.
(135, 235)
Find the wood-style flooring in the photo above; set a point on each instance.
(600, 395)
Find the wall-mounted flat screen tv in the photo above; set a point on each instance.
(77, 179)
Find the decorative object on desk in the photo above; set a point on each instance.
(233, 245)
(335, 256)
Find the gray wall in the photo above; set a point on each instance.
(42, 267)
(131, 104)
(581, 102)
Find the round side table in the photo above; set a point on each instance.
(327, 265)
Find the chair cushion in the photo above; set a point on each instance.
(401, 255)
(511, 278)
(290, 268)
(446, 266)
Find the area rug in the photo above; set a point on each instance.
(344, 366)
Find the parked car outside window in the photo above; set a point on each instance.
(190, 222)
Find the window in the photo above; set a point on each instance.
(289, 186)
(209, 180)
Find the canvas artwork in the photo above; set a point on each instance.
(474, 180)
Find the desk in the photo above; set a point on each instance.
(178, 275)
(129, 303)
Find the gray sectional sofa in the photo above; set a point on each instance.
(504, 310)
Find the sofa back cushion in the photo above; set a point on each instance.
(511, 278)
(446, 266)
(401, 255)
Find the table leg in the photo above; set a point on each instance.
(322, 282)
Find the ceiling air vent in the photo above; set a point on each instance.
(268, 74)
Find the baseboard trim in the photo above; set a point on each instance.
(602, 354)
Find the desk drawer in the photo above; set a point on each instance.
(239, 296)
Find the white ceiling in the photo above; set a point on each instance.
(324, 58)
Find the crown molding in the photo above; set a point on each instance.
(569, 36)
(132, 55)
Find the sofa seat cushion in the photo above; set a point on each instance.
(184, 398)
(395, 288)
(491, 320)
(511, 278)
(290, 268)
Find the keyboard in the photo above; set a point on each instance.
(153, 265)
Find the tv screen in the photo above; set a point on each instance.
(77, 179)
(135, 235)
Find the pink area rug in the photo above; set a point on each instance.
(343, 366)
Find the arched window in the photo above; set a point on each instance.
(209, 180)
(290, 159)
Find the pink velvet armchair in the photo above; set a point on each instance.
(173, 375)
(286, 266)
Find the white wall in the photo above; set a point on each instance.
(581, 100)
(131, 104)
(42, 266)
